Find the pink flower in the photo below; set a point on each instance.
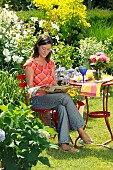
(93, 58)
(99, 53)
(99, 59)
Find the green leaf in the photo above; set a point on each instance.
(10, 164)
(23, 105)
(13, 135)
(44, 160)
(12, 145)
(23, 145)
(3, 107)
(7, 120)
(11, 107)
(50, 130)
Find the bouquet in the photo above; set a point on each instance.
(63, 76)
(99, 60)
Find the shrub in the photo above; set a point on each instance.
(89, 46)
(25, 138)
(9, 88)
(26, 15)
(16, 40)
(62, 55)
(69, 15)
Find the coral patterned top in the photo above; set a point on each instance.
(43, 75)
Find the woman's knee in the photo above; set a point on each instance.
(66, 99)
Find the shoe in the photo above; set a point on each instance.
(85, 143)
(65, 147)
(85, 139)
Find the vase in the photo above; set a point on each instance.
(98, 74)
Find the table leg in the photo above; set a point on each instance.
(105, 108)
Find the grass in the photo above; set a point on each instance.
(101, 23)
(90, 157)
(100, 31)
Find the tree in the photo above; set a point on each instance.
(100, 4)
(70, 15)
(17, 5)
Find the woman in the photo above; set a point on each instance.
(40, 71)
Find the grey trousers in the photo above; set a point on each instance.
(67, 113)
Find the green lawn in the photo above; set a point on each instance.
(90, 157)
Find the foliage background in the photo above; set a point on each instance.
(72, 48)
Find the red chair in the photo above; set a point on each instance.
(23, 85)
(53, 114)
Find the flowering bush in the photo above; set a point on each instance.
(69, 14)
(99, 60)
(15, 40)
(24, 139)
(88, 46)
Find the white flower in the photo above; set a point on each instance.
(57, 37)
(0, 36)
(23, 51)
(15, 58)
(41, 22)
(34, 19)
(55, 26)
(6, 52)
(25, 32)
(2, 135)
(7, 45)
(19, 26)
(8, 58)
(12, 41)
(6, 6)
(17, 37)
(0, 101)
(15, 17)
(20, 59)
(43, 133)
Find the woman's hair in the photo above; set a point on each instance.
(43, 40)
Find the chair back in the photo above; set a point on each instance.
(23, 85)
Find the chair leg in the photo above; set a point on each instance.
(75, 144)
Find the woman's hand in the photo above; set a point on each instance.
(45, 89)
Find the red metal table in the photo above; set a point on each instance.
(104, 113)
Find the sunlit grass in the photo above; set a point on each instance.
(100, 31)
(101, 23)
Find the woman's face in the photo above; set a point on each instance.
(44, 50)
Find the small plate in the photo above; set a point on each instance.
(105, 79)
(98, 81)
(79, 78)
